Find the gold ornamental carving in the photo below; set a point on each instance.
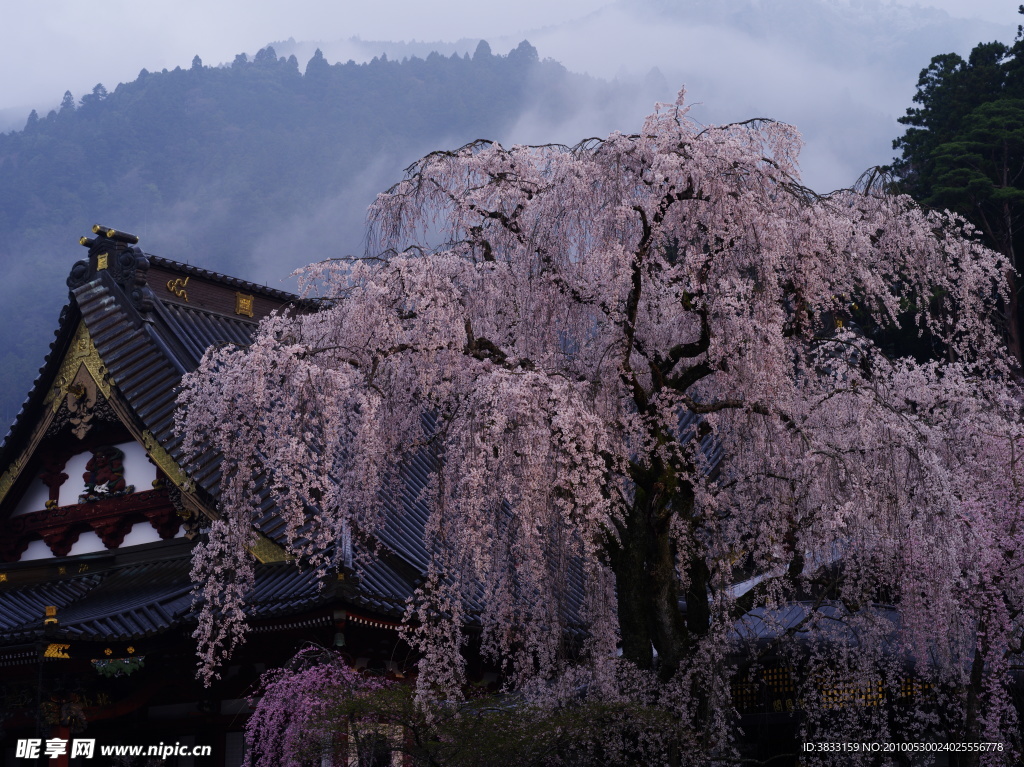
(266, 551)
(244, 304)
(167, 464)
(68, 382)
(81, 403)
(54, 650)
(177, 287)
(8, 477)
(80, 377)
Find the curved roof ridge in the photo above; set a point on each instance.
(238, 282)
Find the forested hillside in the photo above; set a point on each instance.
(252, 169)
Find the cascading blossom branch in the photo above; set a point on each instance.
(292, 722)
(646, 369)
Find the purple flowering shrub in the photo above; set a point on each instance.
(298, 709)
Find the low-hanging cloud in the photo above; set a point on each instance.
(842, 72)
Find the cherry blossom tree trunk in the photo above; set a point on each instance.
(644, 562)
(972, 727)
(1013, 318)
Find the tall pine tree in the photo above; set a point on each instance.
(964, 150)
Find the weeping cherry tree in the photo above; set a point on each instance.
(645, 369)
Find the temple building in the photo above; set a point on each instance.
(98, 520)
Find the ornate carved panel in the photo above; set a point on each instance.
(104, 475)
(82, 408)
(68, 383)
(111, 519)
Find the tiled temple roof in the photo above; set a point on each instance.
(141, 599)
(151, 319)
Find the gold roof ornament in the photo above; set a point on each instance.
(244, 304)
(113, 234)
(57, 651)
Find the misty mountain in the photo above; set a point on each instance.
(252, 169)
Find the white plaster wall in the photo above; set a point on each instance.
(37, 550)
(74, 485)
(87, 543)
(141, 532)
(35, 498)
(138, 469)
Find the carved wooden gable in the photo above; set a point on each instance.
(92, 461)
(85, 482)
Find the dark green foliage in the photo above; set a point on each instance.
(99, 93)
(964, 150)
(948, 90)
(504, 731)
(229, 165)
(979, 170)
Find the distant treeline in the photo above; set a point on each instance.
(206, 163)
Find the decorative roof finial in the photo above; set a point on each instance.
(113, 234)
